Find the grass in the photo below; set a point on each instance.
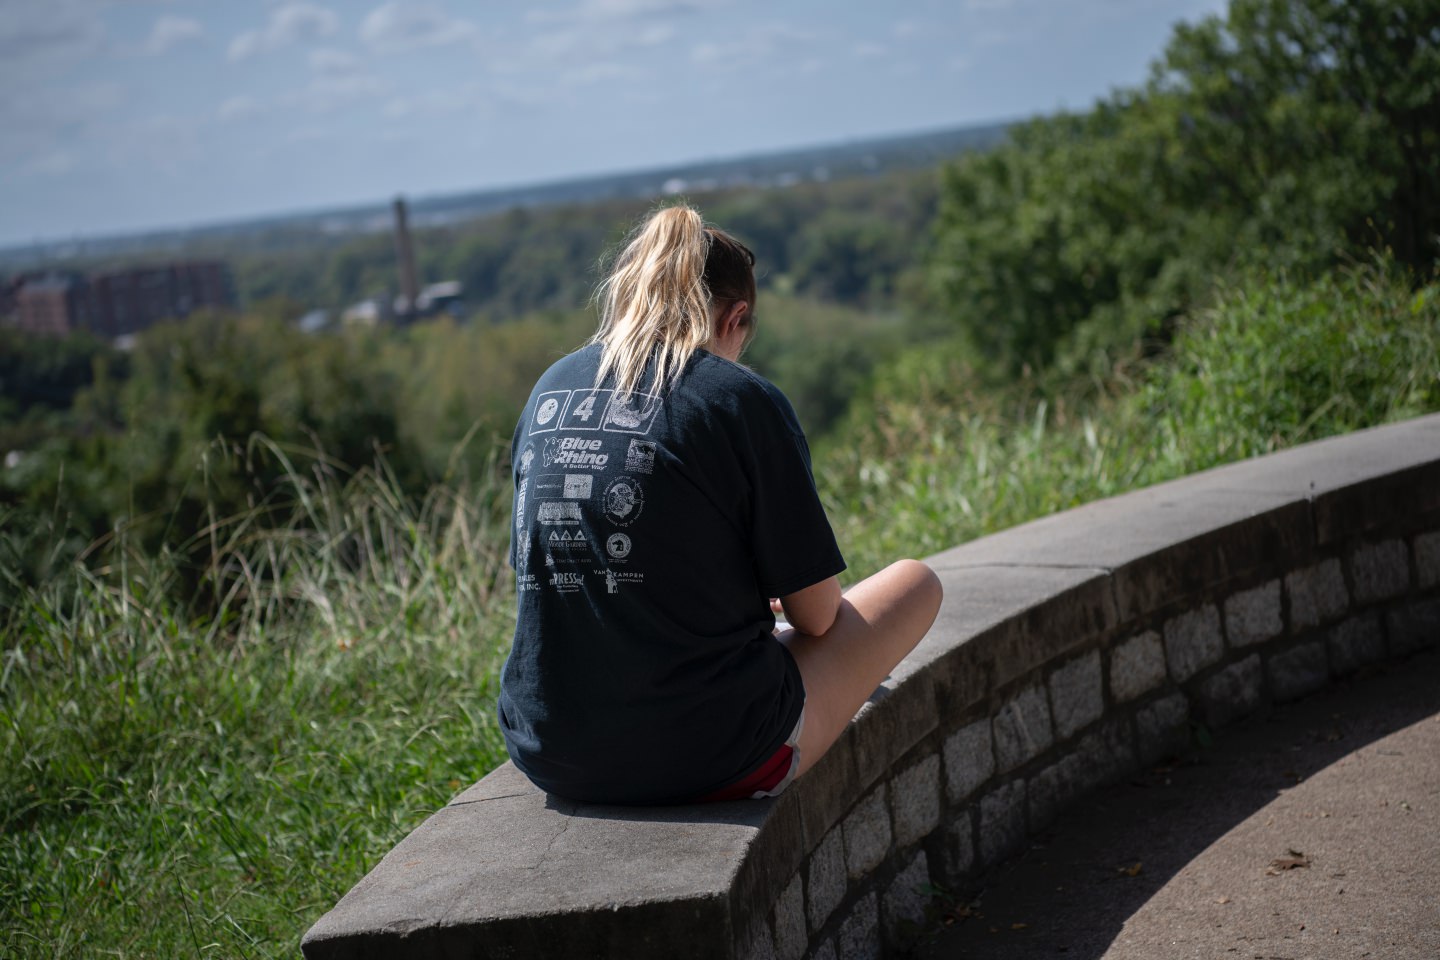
(176, 784)
(175, 787)
(926, 462)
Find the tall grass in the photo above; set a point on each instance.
(928, 460)
(173, 786)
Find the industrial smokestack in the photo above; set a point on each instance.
(405, 253)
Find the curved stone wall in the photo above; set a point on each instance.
(1069, 652)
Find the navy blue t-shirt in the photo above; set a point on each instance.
(649, 533)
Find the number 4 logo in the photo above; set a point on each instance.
(585, 409)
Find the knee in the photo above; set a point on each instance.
(920, 583)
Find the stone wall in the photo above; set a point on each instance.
(1068, 653)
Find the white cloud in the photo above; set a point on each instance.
(327, 94)
(42, 122)
(762, 42)
(290, 24)
(600, 11)
(399, 26)
(437, 102)
(41, 31)
(170, 32)
(330, 62)
(628, 9)
(239, 108)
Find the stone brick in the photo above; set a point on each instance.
(1022, 729)
(1163, 728)
(957, 855)
(760, 947)
(1414, 626)
(790, 938)
(1052, 789)
(1075, 695)
(1317, 595)
(859, 936)
(1380, 570)
(1108, 753)
(915, 799)
(969, 760)
(1002, 822)
(1427, 559)
(905, 901)
(867, 834)
(829, 789)
(1300, 670)
(1137, 666)
(1253, 616)
(1354, 643)
(825, 883)
(890, 723)
(1193, 642)
(1231, 693)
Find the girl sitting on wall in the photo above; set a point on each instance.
(663, 496)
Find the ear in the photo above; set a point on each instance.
(733, 318)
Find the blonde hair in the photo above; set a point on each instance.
(657, 299)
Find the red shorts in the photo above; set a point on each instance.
(772, 776)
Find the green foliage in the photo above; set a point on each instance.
(846, 241)
(1281, 362)
(930, 457)
(173, 785)
(163, 452)
(1284, 134)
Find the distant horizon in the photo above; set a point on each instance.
(121, 119)
(411, 199)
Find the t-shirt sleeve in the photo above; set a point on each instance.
(793, 543)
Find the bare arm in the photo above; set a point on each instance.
(813, 609)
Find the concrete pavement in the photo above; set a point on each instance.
(1310, 832)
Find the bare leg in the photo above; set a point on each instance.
(880, 620)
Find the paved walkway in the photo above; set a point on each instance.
(1313, 832)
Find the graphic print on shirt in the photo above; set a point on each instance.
(624, 501)
(553, 512)
(563, 546)
(574, 452)
(566, 582)
(547, 411)
(640, 457)
(586, 410)
(631, 413)
(524, 580)
(615, 579)
(520, 504)
(618, 546)
(564, 486)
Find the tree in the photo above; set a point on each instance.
(1289, 133)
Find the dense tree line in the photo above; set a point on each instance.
(849, 241)
(1285, 133)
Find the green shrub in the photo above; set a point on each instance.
(930, 459)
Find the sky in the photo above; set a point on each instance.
(122, 115)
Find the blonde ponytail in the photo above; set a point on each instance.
(655, 300)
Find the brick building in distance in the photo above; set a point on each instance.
(115, 303)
